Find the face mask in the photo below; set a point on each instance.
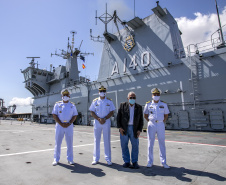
(132, 101)
(65, 98)
(102, 94)
(156, 98)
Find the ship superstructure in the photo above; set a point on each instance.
(146, 53)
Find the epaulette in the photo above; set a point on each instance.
(109, 99)
(148, 102)
(72, 103)
(59, 101)
(163, 101)
(95, 99)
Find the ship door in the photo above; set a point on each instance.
(216, 119)
(183, 119)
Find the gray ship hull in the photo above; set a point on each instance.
(191, 82)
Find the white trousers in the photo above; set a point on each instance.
(158, 128)
(106, 127)
(59, 135)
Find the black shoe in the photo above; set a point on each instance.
(135, 165)
(126, 165)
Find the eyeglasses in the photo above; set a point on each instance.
(102, 91)
(132, 97)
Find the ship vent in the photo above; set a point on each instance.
(135, 23)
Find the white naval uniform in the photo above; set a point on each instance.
(102, 108)
(156, 113)
(64, 111)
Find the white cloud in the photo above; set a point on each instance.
(201, 28)
(21, 101)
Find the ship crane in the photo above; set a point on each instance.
(13, 108)
(123, 23)
(106, 18)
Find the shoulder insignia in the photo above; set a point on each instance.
(72, 103)
(148, 102)
(109, 99)
(162, 101)
(95, 99)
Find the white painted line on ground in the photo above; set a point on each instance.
(91, 133)
(46, 150)
(223, 146)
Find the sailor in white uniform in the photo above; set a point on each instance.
(64, 113)
(102, 109)
(156, 113)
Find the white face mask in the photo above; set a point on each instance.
(102, 94)
(156, 98)
(65, 98)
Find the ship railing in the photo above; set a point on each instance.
(215, 43)
(205, 46)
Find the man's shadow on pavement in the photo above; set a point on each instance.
(78, 168)
(177, 172)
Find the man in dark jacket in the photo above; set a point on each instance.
(130, 124)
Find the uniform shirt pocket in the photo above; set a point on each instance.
(97, 108)
(161, 110)
(107, 108)
(59, 110)
(151, 111)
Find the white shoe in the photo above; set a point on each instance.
(71, 162)
(149, 165)
(165, 166)
(109, 163)
(54, 163)
(94, 162)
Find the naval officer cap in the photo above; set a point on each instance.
(156, 91)
(65, 92)
(102, 88)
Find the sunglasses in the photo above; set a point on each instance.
(102, 91)
(132, 97)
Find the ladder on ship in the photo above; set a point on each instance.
(195, 71)
(198, 117)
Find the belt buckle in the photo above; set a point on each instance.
(156, 121)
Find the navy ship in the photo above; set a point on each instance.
(144, 54)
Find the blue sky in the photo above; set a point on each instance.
(38, 27)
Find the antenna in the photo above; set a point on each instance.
(32, 63)
(106, 18)
(220, 28)
(96, 39)
(134, 8)
(51, 66)
(71, 51)
(96, 17)
(80, 45)
(72, 42)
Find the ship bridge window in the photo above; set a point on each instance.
(27, 75)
